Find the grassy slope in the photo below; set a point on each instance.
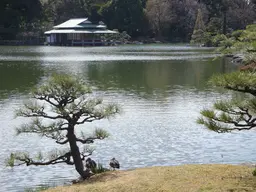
(185, 178)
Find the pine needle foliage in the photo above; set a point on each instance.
(235, 114)
(241, 42)
(238, 113)
(55, 109)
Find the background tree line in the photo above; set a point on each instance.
(171, 20)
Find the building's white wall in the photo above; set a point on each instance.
(48, 39)
(53, 38)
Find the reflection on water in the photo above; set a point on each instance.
(161, 89)
(149, 76)
(18, 77)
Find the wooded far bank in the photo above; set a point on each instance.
(164, 20)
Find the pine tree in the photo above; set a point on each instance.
(235, 114)
(239, 113)
(56, 108)
(198, 35)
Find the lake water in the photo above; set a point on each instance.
(161, 89)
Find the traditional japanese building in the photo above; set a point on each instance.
(78, 32)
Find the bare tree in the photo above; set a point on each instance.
(158, 13)
(173, 18)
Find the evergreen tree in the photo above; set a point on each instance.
(235, 114)
(15, 13)
(239, 112)
(242, 42)
(198, 35)
(56, 108)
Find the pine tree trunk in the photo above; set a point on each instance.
(76, 154)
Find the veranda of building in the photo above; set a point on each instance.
(78, 32)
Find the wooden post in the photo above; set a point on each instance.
(72, 39)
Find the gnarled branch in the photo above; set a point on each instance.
(86, 141)
(45, 98)
(91, 118)
(245, 89)
(66, 158)
(62, 142)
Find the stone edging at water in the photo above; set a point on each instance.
(237, 58)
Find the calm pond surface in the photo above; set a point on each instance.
(161, 89)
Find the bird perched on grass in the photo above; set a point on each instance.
(114, 163)
(90, 164)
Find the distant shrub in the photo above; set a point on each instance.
(219, 40)
(237, 34)
(214, 26)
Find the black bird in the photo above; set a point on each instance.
(114, 163)
(90, 164)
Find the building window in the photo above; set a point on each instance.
(77, 36)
